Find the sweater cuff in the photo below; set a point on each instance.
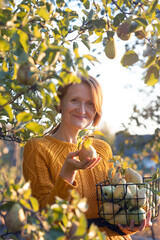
(63, 188)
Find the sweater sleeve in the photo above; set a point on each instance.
(36, 171)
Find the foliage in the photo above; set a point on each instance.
(40, 48)
(54, 222)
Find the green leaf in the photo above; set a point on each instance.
(24, 203)
(118, 19)
(151, 60)
(24, 117)
(97, 132)
(24, 6)
(35, 127)
(36, 32)
(153, 6)
(129, 58)
(81, 230)
(9, 112)
(60, 3)
(152, 76)
(141, 21)
(42, 12)
(98, 40)
(99, 23)
(75, 49)
(90, 58)
(34, 203)
(86, 3)
(4, 45)
(23, 37)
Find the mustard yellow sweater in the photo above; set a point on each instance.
(42, 162)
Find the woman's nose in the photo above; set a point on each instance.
(81, 108)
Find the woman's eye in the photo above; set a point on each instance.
(91, 104)
(74, 100)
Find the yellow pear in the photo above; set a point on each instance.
(110, 49)
(87, 152)
(139, 199)
(120, 218)
(108, 192)
(137, 215)
(108, 209)
(133, 176)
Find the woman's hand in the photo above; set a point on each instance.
(132, 228)
(72, 164)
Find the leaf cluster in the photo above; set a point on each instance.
(53, 222)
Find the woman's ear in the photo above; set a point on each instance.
(58, 108)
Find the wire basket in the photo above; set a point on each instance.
(118, 204)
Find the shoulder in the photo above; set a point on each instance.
(36, 143)
(100, 143)
(102, 147)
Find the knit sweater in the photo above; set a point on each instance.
(43, 159)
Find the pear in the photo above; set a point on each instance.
(15, 218)
(122, 191)
(123, 31)
(108, 192)
(108, 209)
(87, 150)
(116, 178)
(139, 199)
(137, 215)
(133, 176)
(110, 49)
(133, 188)
(27, 74)
(120, 218)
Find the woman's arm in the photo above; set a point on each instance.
(36, 169)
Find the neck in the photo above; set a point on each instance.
(66, 135)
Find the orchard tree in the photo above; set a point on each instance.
(40, 49)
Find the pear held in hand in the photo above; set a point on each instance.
(87, 150)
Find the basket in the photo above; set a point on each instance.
(117, 203)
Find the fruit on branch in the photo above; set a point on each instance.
(15, 218)
(27, 74)
(87, 150)
(123, 31)
(133, 176)
(110, 49)
(109, 209)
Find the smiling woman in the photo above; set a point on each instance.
(51, 163)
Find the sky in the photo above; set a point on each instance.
(120, 88)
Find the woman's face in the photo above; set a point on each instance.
(77, 107)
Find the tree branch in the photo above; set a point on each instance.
(15, 97)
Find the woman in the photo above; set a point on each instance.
(51, 164)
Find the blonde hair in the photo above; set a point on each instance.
(96, 92)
